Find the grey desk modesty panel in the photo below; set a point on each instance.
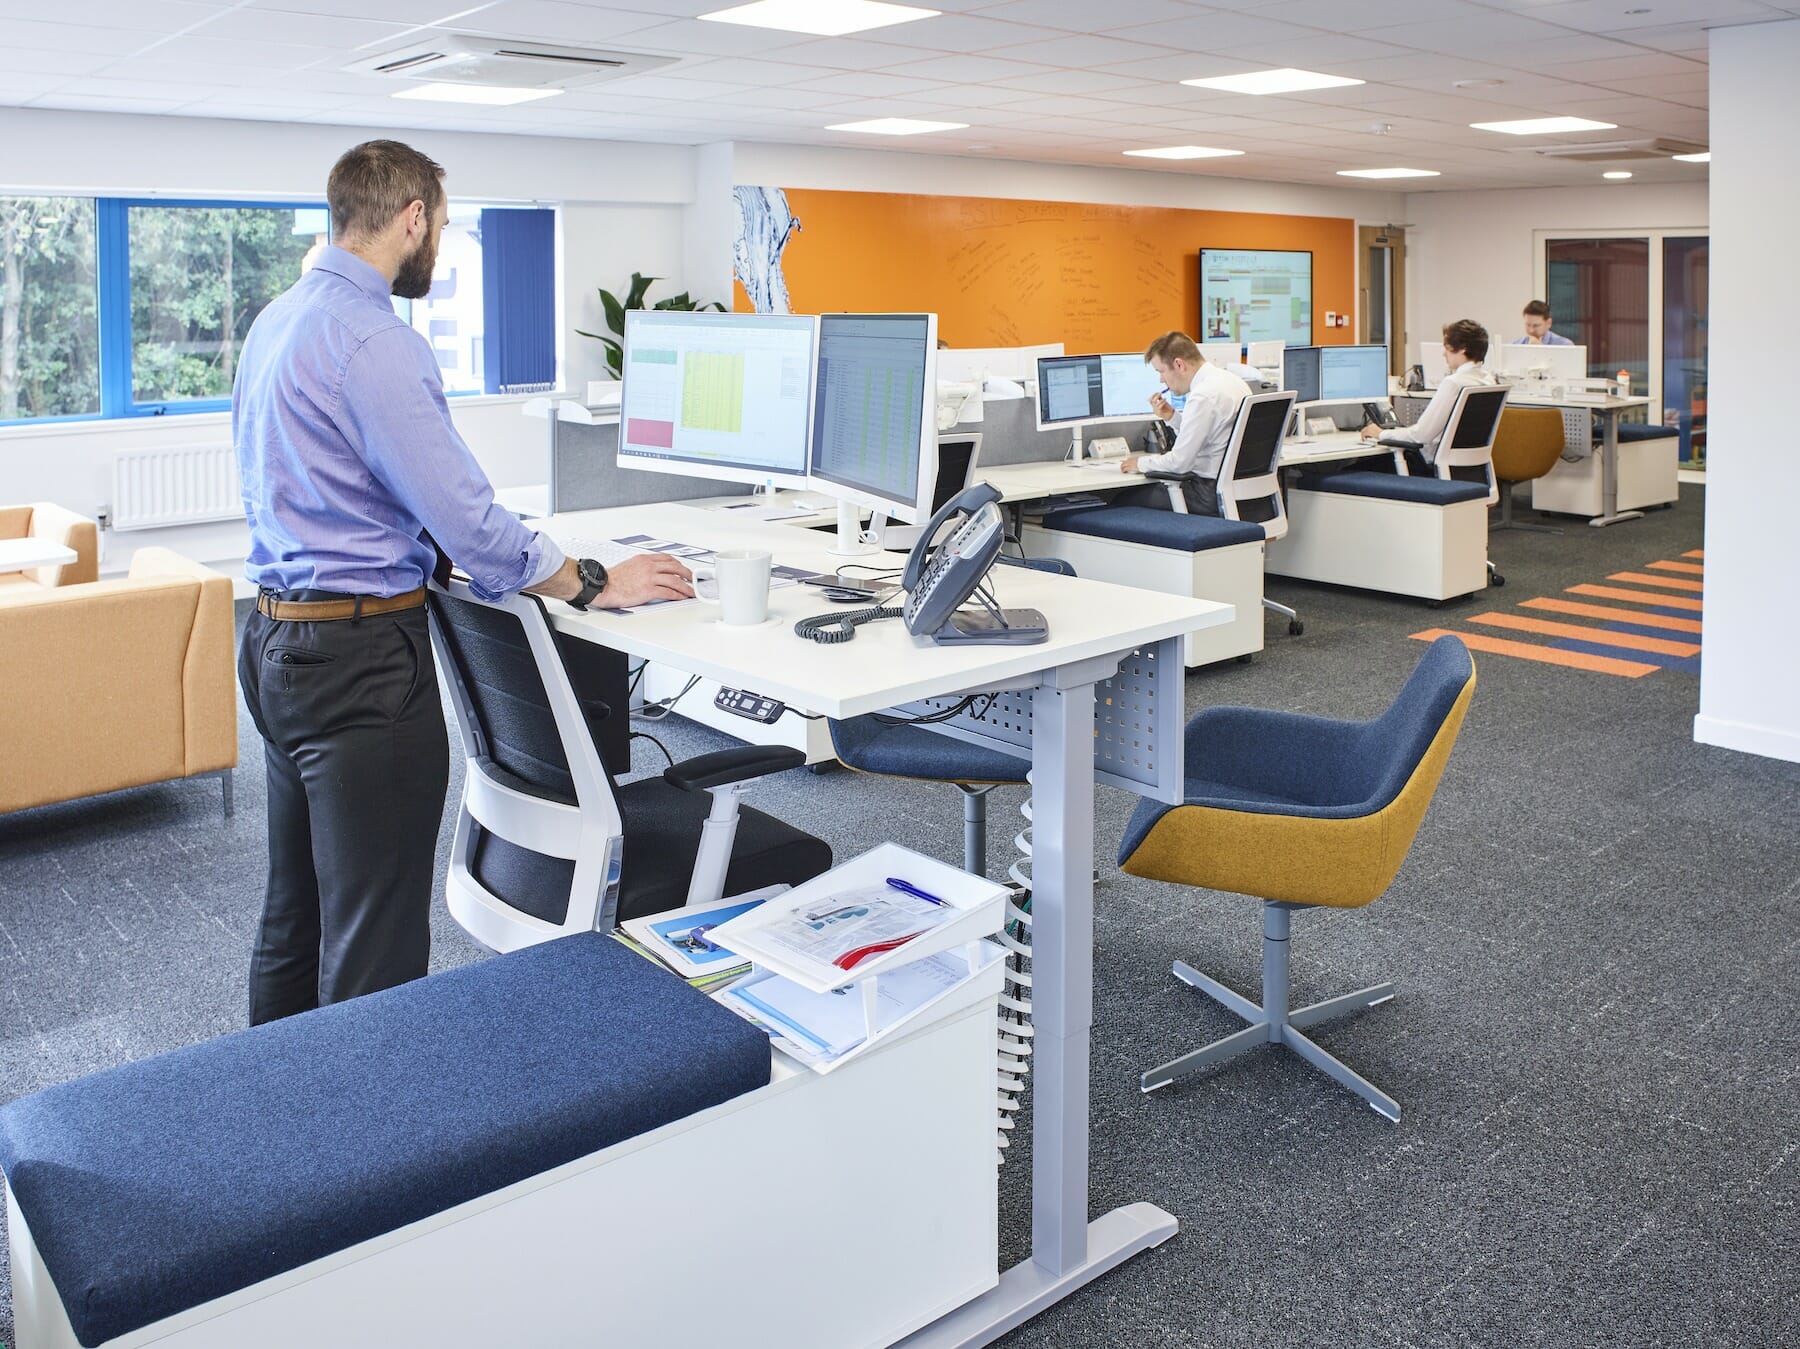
(585, 474)
(1009, 434)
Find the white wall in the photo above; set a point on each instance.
(624, 208)
(1749, 698)
(1473, 254)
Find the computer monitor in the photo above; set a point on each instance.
(1523, 361)
(1265, 355)
(1019, 364)
(874, 439)
(1431, 362)
(725, 396)
(957, 454)
(1353, 374)
(1300, 372)
(1077, 390)
(1223, 353)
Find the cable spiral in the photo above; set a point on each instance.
(1015, 1028)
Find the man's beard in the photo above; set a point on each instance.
(413, 281)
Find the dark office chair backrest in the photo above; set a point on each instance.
(1249, 485)
(956, 464)
(1263, 419)
(1480, 419)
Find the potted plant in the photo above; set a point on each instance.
(614, 311)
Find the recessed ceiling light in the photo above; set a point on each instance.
(492, 95)
(1478, 84)
(1184, 152)
(1388, 173)
(1616, 175)
(823, 18)
(1544, 126)
(898, 126)
(1637, 11)
(1287, 80)
(1704, 157)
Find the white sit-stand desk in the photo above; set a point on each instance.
(1609, 413)
(1299, 451)
(1094, 629)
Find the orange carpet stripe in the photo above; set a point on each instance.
(1629, 640)
(1637, 597)
(1691, 568)
(1640, 578)
(1698, 553)
(1612, 615)
(1547, 655)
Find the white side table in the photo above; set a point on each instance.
(24, 554)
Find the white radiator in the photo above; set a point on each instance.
(186, 486)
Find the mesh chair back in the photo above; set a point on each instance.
(1249, 482)
(1467, 449)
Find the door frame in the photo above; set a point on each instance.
(1393, 238)
(1540, 240)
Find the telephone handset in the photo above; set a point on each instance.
(940, 577)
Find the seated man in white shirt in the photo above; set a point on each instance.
(1537, 328)
(1202, 426)
(1465, 348)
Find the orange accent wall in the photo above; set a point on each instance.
(1014, 273)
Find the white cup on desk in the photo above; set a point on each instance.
(740, 586)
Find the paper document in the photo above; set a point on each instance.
(830, 1024)
(855, 925)
(759, 510)
(1102, 465)
(698, 560)
(679, 938)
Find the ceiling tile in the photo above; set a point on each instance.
(1078, 16)
(32, 35)
(260, 25)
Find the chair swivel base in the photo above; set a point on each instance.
(1272, 1023)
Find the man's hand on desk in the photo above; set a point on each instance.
(1371, 431)
(637, 580)
(1129, 464)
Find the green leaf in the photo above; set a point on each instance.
(639, 286)
(615, 357)
(615, 312)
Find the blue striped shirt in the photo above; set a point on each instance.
(347, 453)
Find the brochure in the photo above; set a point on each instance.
(852, 926)
(679, 938)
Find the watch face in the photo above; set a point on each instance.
(591, 572)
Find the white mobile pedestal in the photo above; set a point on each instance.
(1608, 414)
(1095, 629)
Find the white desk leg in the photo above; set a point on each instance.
(1067, 1250)
(1609, 473)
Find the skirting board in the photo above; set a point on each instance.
(1747, 739)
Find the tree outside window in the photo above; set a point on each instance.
(49, 303)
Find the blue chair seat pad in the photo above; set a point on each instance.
(1156, 529)
(160, 1185)
(1642, 431)
(1396, 487)
(913, 752)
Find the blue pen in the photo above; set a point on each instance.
(908, 888)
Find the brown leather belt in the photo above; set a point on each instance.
(326, 611)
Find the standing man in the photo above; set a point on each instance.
(1202, 425)
(351, 467)
(1537, 328)
(1465, 354)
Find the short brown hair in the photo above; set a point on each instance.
(373, 182)
(1537, 309)
(1173, 346)
(1468, 337)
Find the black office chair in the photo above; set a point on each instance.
(547, 842)
(1249, 485)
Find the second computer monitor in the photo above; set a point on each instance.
(725, 396)
(1076, 389)
(1300, 372)
(1350, 374)
(874, 439)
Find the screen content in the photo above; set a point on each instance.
(1300, 372)
(1255, 295)
(1347, 373)
(1087, 388)
(732, 390)
(869, 417)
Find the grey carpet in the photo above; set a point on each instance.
(1596, 1042)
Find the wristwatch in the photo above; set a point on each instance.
(593, 581)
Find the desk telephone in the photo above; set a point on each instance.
(940, 578)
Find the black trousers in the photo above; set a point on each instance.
(1202, 497)
(357, 759)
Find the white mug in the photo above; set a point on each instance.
(742, 586)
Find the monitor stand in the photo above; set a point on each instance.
(1075, 448)
(850, 533)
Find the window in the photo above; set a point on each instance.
(199, 274)
(49, 309)
(128, 308)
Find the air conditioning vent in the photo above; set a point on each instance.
(1662, 147)
(461, 59)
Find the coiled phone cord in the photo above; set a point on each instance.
(830, 629)
(1015, 1029)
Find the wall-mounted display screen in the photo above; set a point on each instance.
(1255, 295)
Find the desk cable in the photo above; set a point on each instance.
(1015, 1028)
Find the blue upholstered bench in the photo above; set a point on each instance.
(1629, 431)
(1395, 487)
(1424, 537)
(161, 1185)
(1201, 556)
(1154, 528)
